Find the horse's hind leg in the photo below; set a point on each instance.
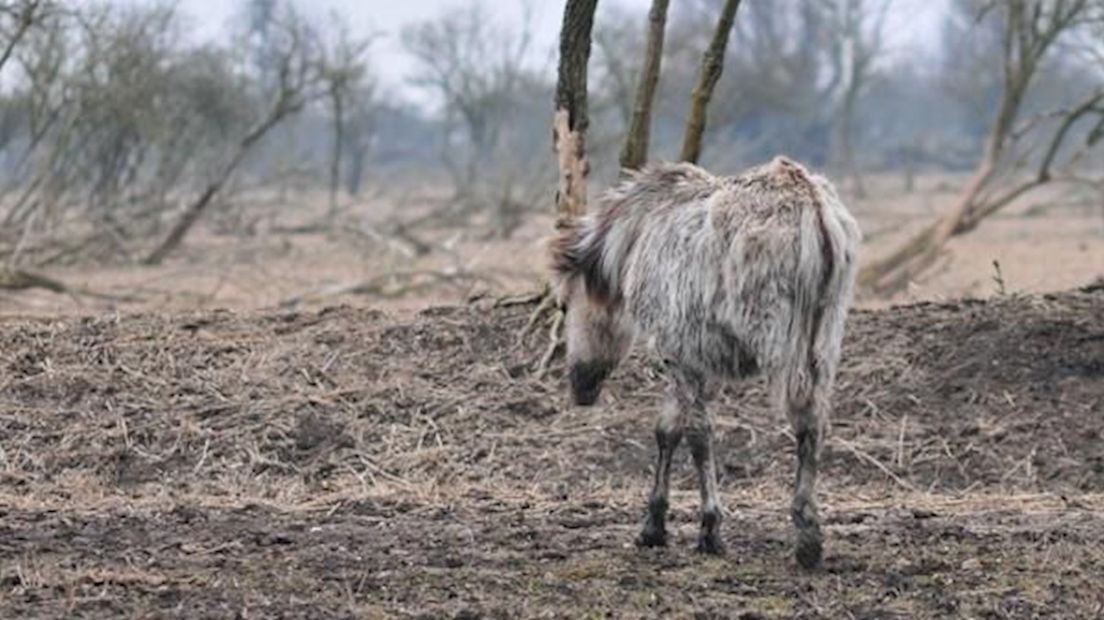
(807, 414)
(668, 434)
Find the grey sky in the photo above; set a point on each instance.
(387, 17)
(914, 23)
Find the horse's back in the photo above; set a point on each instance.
(711, 277)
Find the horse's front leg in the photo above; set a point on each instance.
(668, 434)
(699, 435)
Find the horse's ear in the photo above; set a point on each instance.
(563, 251)
(577, 252)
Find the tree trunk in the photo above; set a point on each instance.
(26, 19)
(845, 145)
(910, 172)
(708, 75)
(894, 271)
(635, 152)
(849, 161)
(570, 121)
(338, 147)
(196, 209)
(921, 249)
(354, 174)
(190, 217)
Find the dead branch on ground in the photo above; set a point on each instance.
(21, 280)
(392, 286)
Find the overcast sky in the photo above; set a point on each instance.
(388, 17)
(915, 22)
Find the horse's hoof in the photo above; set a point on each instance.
(809, 553)
(710, 544)
(651, 538)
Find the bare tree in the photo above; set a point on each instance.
(36, 109)
(709, 74)
(343, 71)
(967, 75)
(476, 69)
(569, 124)
(855, 37)
(16, 20)
(118, 133)
(569, 128)
(616, 43)
(298, 81)
(361, 132)
(1030, 29)
(116, 117)
(635, 152)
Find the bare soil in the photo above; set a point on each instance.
(351, 463)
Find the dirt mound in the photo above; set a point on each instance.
(346, 462)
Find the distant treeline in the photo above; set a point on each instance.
(118, 130)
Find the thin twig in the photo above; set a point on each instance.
(863, 456)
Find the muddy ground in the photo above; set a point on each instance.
(350, 463)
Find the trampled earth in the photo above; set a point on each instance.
(350, 463)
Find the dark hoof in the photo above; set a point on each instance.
(710, 544)
(809, 552)
(651, 537)
(809, 539)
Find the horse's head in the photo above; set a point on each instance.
(598, 337)
(597, 328)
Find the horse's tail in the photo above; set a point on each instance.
(822, 289)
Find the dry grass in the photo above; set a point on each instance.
(347, 462)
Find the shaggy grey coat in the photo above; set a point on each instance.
(726, 277)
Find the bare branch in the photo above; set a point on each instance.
(708, 75)
(25, 14)
(635, 152)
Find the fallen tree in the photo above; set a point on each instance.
(1020, 154)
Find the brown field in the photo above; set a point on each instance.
(353, 463)
(1047, 246)
(298, 457)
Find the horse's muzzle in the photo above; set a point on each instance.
(586, 381)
